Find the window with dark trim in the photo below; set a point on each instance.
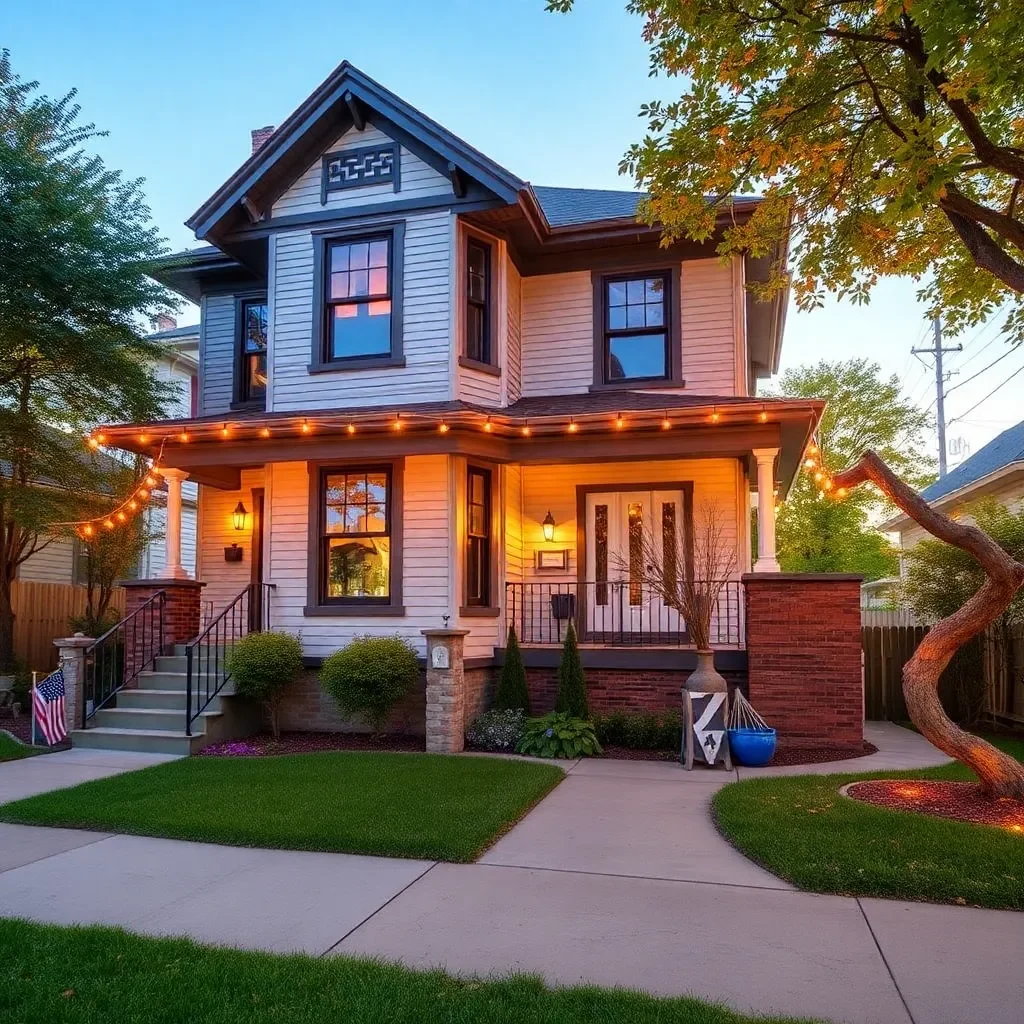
(252, 350)
(355, 535)
(478, 537)
(357, 301)
(478, 301)
(636, 327)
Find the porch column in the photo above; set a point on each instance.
(766, 560)
(173, 569)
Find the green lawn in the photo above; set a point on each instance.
(52, 975)
(397, 805)
(801, 829)
(12, 749)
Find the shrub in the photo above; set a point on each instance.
(559, 735)
(262, 665)
(572, 687)
(512, 692)
(500, 729)
(370, 676)
(641, 730)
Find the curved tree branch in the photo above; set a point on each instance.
(1000, 775)
(986, 254)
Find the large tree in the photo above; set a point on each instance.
(864, 410)
(75, 243)
(886, 137)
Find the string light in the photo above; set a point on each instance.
(573, 426)
(809, 463)
(714, 415)
(109, 523)
(151, 481)
(142, 493)
(94, 443)
(265, 432)
(305, 428)
(143, 438)
(666, 423)
(398, 422)
(764, 415)
(351, 428)
(487, 425)
(443, 427)
(526, 429)
(88, 530)
(183, 437)
(619, 422)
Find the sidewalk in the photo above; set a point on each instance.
(617, 878)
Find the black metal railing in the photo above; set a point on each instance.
(613, 613)
(208, 656)
(114, 660)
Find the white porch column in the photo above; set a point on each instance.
(766, 560)
(173, 569)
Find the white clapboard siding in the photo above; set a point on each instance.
(217, 353)
(709, 330)
(174, 372)
(557, 334)
(416, 179)
(425, 558)
(513, 363)
(427, 373)
(225, 580)
(513, 533)
(53, 563)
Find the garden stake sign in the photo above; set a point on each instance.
(704, 723)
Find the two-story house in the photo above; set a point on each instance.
(431, 393)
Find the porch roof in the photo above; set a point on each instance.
(549, 429)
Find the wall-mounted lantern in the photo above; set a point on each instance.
(549, 527)
(238, 516)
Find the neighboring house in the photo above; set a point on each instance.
(995, 471)
(62, 559)
(432, 394)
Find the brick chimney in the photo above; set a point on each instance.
(260, 136)
(165, 323)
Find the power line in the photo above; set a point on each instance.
(977, 334)
(937, 351)
(967, 380)
(1019, 369)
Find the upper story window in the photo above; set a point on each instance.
(357, 314)
(478, 301)
(250, 350)
(636, 328)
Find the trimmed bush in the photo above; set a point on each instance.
(370, 676)
(512, 692)
(498, 730)
(640, 730)
(572, 687)
(262, 665)
(559, 735)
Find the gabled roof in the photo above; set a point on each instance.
(345, 98)
(565, 206)
(999, 453)
(175, 333)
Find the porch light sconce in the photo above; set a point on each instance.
(238, 516)
(549, 527)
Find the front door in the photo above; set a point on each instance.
(626, 532)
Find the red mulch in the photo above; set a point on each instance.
(787, 755)
(960, 801)
(264, 745)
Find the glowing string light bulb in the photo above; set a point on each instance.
(488, 426)
(620, 422)
(265, 432)
(526, 430)
(442, 427)
(573, 426)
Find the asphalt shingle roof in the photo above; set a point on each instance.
(565, 206)
(188, 331)
(1005, 449)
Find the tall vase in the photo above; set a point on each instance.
(705, 679)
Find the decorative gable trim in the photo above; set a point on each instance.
(353, 168)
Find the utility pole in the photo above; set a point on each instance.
(940, 398)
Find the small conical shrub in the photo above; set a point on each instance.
(512, 693)
(572, 687)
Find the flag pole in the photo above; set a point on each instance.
(32, 702)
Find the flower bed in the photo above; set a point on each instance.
(264, 745)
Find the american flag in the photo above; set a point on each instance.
(48, 707)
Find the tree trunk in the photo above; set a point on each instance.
(1000, 775)
(6, 629)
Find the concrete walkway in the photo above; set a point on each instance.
(617, 878)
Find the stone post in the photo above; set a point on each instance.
(71, 651)
(446, 690)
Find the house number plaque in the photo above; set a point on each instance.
(439, 657)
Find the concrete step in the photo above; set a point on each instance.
(165, 700)
(150, 719)
(176, 681)
(145, 741)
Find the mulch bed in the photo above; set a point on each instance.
(784, 755)
(959, 801)
(264, 745)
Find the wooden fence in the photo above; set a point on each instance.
(997, 666)
(41, 614)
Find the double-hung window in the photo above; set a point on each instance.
(252, 351)
(478, 537)
(355, 535)
(636, 327)
(358, 297)
(478, 301)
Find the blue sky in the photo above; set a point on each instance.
(555, 99)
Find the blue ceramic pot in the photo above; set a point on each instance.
(752, 747)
